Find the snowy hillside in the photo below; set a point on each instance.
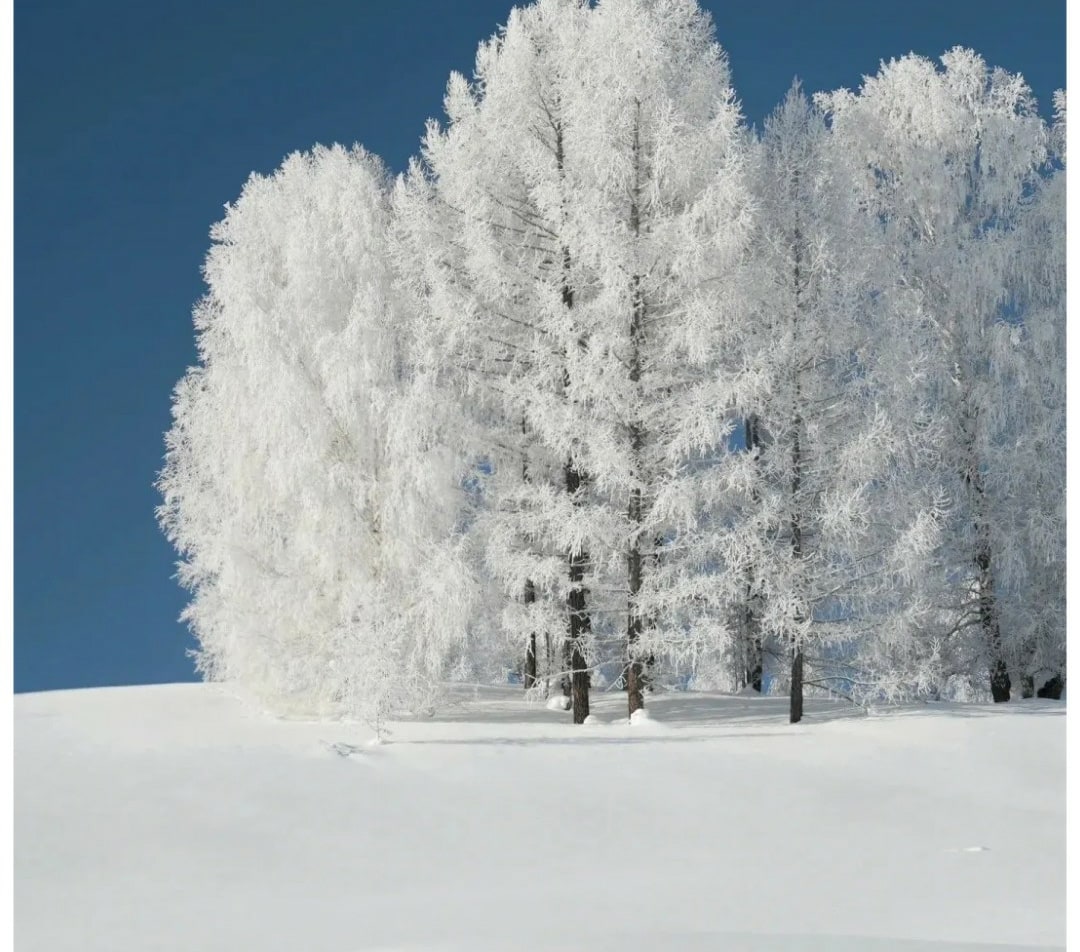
(179, 818)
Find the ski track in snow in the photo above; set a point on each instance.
(178, 817)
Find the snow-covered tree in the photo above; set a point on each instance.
(607, 378)
(562, 197)
(1033, 604)
(484, 220)
(948, 158)
(821, 361)
(305, 483)
(658, 155)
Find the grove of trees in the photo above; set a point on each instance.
(608, 386)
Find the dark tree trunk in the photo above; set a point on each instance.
(549, 663)
(635, 693)
(796, 686)
(530, 663)
(796, 484)
(529, 597)
(579, 697)
(579, 624)
(796, 647)
(1000, 685)
(753, 654)
(649, 665)
(635, 670)
(635, 679)
(1027, 686)
(530, 651)
(567, 658)
(755, 663)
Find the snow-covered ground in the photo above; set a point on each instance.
(179, 818)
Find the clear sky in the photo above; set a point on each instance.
(135, 122)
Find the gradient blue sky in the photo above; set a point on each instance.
(135, 122)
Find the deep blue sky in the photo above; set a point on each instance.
(135, 122)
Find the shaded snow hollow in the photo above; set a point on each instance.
(177, 817)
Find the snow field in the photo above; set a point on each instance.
(178, 817)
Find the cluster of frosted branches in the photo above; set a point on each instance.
(611, 389)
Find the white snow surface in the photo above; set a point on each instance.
(179, 817)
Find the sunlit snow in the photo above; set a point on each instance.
(178, 817)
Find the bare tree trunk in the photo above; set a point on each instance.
(796, 485)
(1000, 684)
(530, 663)
(549, 663)
(649, 665)
(579, 624)
(796, 646)
(635, 695)
(530, 650)
(567, 654)
(755, 672)
(529, 678)
(753, 655)
(635, 680)
(796, 685)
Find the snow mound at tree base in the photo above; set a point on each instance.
(641, 717)
(176, 817)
